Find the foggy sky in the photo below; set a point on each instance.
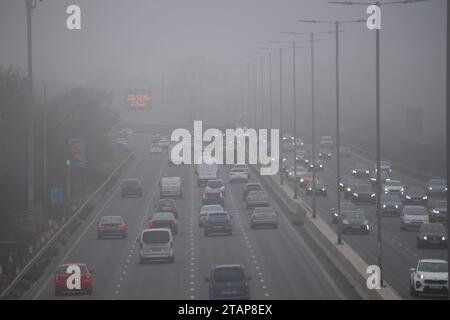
(124, 42)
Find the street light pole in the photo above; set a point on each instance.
(270, 92)
(30, 5)
(294, 116)
(313, 128)
(281, 111)
(378, 143)
(262, 92)
(248, 94)
(338, 139)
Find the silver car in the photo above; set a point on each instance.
(257, 199)
(216, 185)
(204, 210)
(264, 217)
(238, 174)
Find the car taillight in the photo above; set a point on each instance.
(58, 278)
(86, 276)
(150, 223)
(100, 227)
(246, 284)
(204, 196)
(211, 285)
(121, 226)
(221, 195)
(174, 221)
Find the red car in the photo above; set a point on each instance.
(62, 275)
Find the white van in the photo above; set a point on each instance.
(206, 172)
(156, 244)
(170, 187)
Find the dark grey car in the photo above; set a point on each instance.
(432, 234)
(391, 204)
(438, 210)
(354, 222)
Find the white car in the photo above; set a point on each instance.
(393, 187)
(216, 184)
(156, 244)
(238, 174)
(430, 276)
(242, 166)
(155, 148)
(412, 217)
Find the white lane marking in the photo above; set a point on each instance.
(94, 219)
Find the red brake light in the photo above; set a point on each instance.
(121, 226)
(221, 195)
(100, 226)
(150, 223)
(174, 221)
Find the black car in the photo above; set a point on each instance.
(361, 171)
(111, 226)
(252, 186)
(437, 188)
(432, 234)
(353, 185)
(212, 197)
(320, 186)
(131, 187)
(218, 222)
(302, 157)
(167, 205)
(384, 176)
(363, 193)
(354, 222)
(325, 153)
(415, 196)
(345, 183)
(438, 210)
(391, 204)
(318, 166)
(345, 206)
(164, 220)
(228, 282)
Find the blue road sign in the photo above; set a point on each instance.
(56, 195)
(77, 153)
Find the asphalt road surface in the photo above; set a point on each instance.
(282, 262)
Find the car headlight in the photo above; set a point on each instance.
(424, 198)
(430, 188)
(353, 171)
(425, 238)
(348, 189)
(321, 166)
(435, 211)
(402, 190)
(367, 171)
(302, 180)
(408, 197)
(372, 195)
(323, 189)
(329, 154)
(445, 188)
(420, 276)
(396, 206)
(384, 206)
(310, 189)
(284, 159)
(335, 214)
(341, 184)
(345, 221)
(386, 190)
(355, 194)
(444, 238)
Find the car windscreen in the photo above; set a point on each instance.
(215, 184)
(254, 187)
(393, 183)
(156, 236)
(217, 216)
(416, 190)
(353, 215)
(432, 227)
(390, 198)
(131, 183)
(228, 275)
(363, 188)
(264, 210)
(111, 220)
(415, 211)
(238, 170)
(427, 266)
(166, 203)
(438, 182)
(348, 206)
(163, 216)
(63, 269)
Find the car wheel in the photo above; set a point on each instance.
(57, 293)
(206, 233)
(99, 237)
(275, 226)
(402, 227)
(230, 233)
(90, 291)
(141, 260)
(172, 259)
(124, 236)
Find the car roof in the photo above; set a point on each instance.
(212, 191)
(228, 266)
(155, 230)
(73, 263)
